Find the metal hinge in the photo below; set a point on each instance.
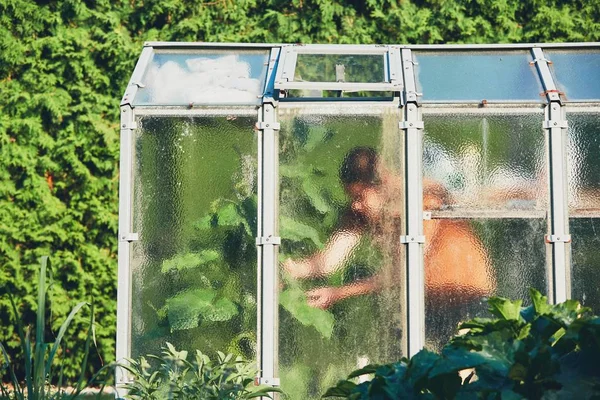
(558, 238)
(556, 124)
(268, 125)
(259, 380)
(130, 237)
(412, 239)
(261, 241)
(412, 125)
(536, 60)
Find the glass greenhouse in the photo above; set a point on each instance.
(318, 208)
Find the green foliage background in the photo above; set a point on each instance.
(63, 68)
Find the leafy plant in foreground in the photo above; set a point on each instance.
(177, 378)
(39, 356)
(538, 352)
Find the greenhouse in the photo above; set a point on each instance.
(318, 208)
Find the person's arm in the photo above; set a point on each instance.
(325, 297)
(325, 262)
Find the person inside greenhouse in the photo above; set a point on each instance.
(457, 267)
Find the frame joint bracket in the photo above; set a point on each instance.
(412, 239)
(130, 237)
(261, 380)
(412, 125)
(558, 238)
(261, 126)
(556, 124)
(266, 240)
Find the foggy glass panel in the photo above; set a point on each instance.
(576, 73)
(204, 77)
(491, 162)
(342, 269)
(340, 68)
(194, 267)
(469, 76)
(584, 206)
(470, 260)
(484, 184)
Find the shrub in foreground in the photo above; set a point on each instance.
(40, 358)
(172, 376)
(538, 352)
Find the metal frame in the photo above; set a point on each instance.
(556, 126)
(415, 274)
(289, 58)
(400, 76)
(267, 240)
(126, 236)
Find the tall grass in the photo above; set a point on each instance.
(40, 358)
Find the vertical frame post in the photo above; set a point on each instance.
(556, 125)
(412, 127)
(268, 239)
(123, 345)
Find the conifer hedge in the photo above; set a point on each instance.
(64, 65)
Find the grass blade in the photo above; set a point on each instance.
(13, 377)
(25, 344)
(40, 346)
(61, 333)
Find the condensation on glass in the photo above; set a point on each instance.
(194, 268)
(584, 205)
(484, 184)
(477, 76)
(576, 73)
(180, 77)
(341, 207)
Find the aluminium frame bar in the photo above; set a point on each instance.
(125, 237)
(556, 126)
(415, 275)
(500, 46)
(267, 232)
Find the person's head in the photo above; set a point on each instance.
(361, 181)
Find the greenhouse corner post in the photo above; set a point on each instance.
(125, 238)
(267, 239)
(555, 124)
(414, 238)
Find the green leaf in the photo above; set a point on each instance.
(294, 301)
(505, 308)
(297, 231)
(540, 302)
(228, 215)
(315, 196)
(342, 389)
(187, 309)
(190, 260)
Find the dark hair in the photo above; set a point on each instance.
(359, 166)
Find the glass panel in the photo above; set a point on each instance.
(342, 262)
(204, 77)
(576, 73)
(469, 260)
(340, 68)
(584, 206)
(194, 268)
(468, 76)
(485, 187)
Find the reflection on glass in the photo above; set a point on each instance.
(339, 68)
(484, 185)
(470, 76)
(584, 206)
(194, 268)
(208, 77)
(576, 73)
(341, 208)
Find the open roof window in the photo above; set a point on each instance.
(331, 71)
(184, 77)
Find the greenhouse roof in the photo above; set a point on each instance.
(209, 74)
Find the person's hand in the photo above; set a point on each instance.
(298, 269)
(323, 297)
